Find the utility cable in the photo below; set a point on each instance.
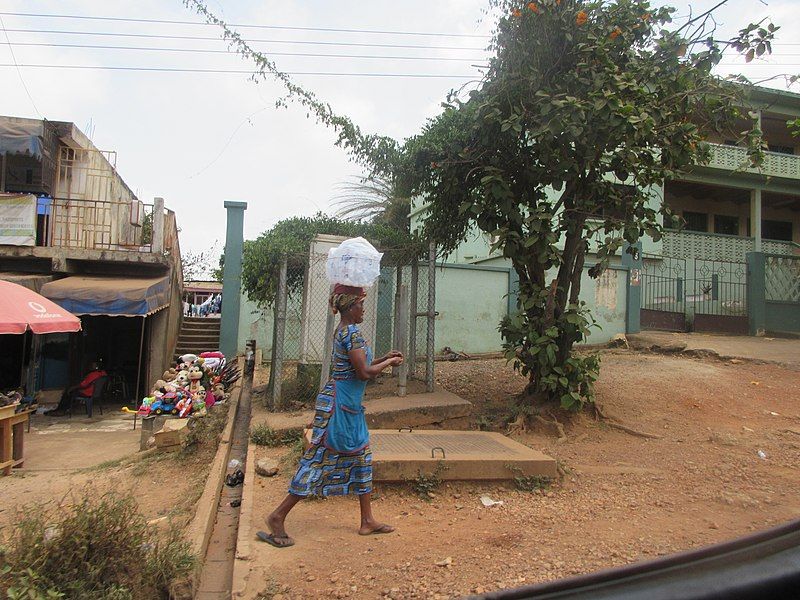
(240, 71)
(19, 73)
(191, 37)
(209, 51)
(242, 25)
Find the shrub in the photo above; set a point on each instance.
(98, 548)
(263, 435)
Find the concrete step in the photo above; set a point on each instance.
(200, 327)
(453, 456)
(198, 337)
(437, 410)
(181, 350)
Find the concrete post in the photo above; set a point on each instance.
(755, 219)
(327, 349)
(411, 358)
(232, 278)
(429, 346)
(278, 334)
(633, 294)
(157, 244)
(756, 293)
(402, 336)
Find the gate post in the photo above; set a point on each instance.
(232, 279)
(633, 290)
(756, 293)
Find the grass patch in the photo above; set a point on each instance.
(424, 485)
(303, 387)
(98, 548)
(529, 483)
(206, 431)
(262, 435)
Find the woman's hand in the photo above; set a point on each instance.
(387, 356)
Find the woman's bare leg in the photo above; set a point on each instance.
(368, 522)
(275, 521)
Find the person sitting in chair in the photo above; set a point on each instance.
(81, 391)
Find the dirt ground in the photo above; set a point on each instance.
(66, 459)
(725, 464)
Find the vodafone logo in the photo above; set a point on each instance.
(37, 307)
(43, 314)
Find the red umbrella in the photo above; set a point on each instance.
(22, 309)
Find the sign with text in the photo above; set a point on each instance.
(18, 220)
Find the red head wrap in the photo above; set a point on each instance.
(350, 290)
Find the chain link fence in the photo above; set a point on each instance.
(398, 315)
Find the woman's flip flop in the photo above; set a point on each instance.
(279, 541)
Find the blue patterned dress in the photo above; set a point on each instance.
(339, 460)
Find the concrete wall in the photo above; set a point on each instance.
(471, 301)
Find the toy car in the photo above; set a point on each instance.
(160, 407)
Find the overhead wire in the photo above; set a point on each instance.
(270, 41)
(211, 51)
(239, 71)
(16, 65)
(244, 25)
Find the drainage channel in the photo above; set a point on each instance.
(216, 577)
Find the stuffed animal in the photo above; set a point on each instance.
(219, 392)
(170, 374)
(182, 379)
(195, 375)
(188, 359)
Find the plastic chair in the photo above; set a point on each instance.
(98, 391)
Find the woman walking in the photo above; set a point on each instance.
(339, 460)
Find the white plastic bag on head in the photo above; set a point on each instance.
(354, 262)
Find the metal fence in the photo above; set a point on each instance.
(782, 278)
(399, 314)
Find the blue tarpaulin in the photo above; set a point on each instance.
(114, 296)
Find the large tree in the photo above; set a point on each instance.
(585, 109)
(586, 106)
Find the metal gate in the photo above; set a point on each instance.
(663, 293)
(717, 296)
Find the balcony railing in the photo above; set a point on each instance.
(715, 246)
(95, 224)
(734, 158)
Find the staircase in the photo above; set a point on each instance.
(198, 334)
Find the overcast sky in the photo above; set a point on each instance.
(198, 139)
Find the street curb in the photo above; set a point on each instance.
(244, 537)
(201, 526)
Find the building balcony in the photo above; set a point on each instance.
(714, 246)
(67, 232)
(734, 158)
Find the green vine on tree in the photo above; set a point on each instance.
(586, 109)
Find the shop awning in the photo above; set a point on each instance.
(114, 296)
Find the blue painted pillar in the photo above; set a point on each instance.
(232, 278)
(513, 291)
(633, 296)
(756, 293)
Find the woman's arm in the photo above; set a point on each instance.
(387, 356)
(358, 358)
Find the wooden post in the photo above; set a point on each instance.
(276, 371)
(402, 336)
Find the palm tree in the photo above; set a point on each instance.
(374, 199)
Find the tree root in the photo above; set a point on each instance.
(633, 432)
(610, 421)
(559, 427)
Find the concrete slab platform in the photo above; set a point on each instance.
(437, 410)
(465, 455)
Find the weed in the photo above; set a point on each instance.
(426, 484)
(100, 547)
(206, 430)
(303, 387)
(263, 435)
(529, 483)
(291, 458)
